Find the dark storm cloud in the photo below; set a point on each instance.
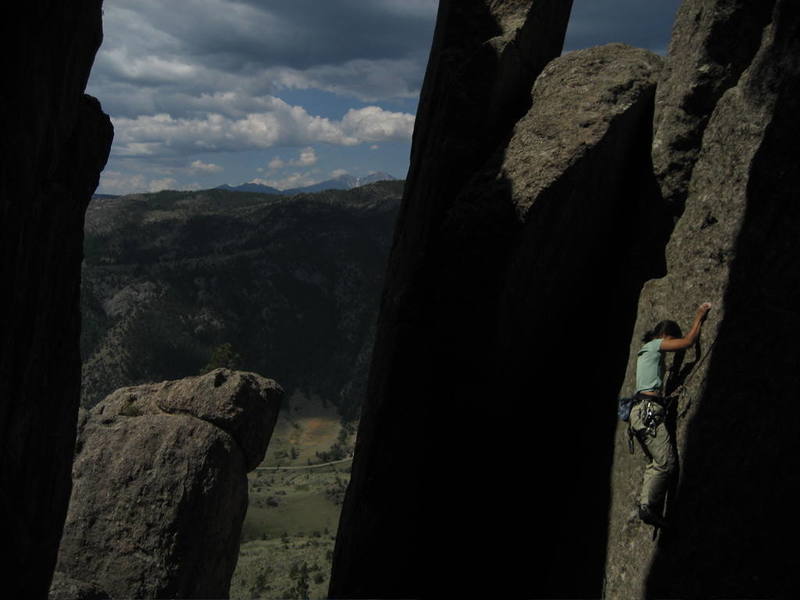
(180, 57)
(305, 33)
(247, 36)
(642, 23)
(188, 57)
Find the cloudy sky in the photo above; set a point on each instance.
(286, 92)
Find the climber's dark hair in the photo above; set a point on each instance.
(663, 328)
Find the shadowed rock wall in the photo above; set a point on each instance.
(465, 447)
(395, 536)
(55, 142)
(736, 245)
(581, 186)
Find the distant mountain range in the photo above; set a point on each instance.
(342, 182)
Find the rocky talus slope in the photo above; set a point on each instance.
(291, 283)
(160, 487)
(511, 299)
(54, 144)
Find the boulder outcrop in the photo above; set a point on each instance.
(737, 246)
(55, 142)
(160, 487)
(546, 215)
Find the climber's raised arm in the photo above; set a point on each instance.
(674, 344)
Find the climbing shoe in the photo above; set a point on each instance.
(651, 517)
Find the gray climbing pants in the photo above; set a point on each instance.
(662, 457)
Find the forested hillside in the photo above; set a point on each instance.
(286, 287)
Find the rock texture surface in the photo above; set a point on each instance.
(55, 142)
(712, 43)
(460, 351)
(66, 588)
(160, 490)
(736, 245)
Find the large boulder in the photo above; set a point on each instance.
(241, 404)
(54, 144)
(737, 246)
(160, 487)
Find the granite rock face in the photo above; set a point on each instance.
(66, 588)
(55, 142)
(546, 215)
(160, 487)
(736, 424)
(712, 44)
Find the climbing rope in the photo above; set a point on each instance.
(678, 392)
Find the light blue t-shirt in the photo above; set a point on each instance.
(650, 367)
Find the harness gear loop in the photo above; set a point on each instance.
(653, 418)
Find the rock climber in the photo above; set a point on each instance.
(649, 411)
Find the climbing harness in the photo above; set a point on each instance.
(651, 418)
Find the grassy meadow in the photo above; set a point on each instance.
(290, 526)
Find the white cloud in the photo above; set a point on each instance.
(157, 185)
(198, 166)
(307, 158)
(284, 125)
(338, 173)
(115, 182)
(290, 181)
(373, 124)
